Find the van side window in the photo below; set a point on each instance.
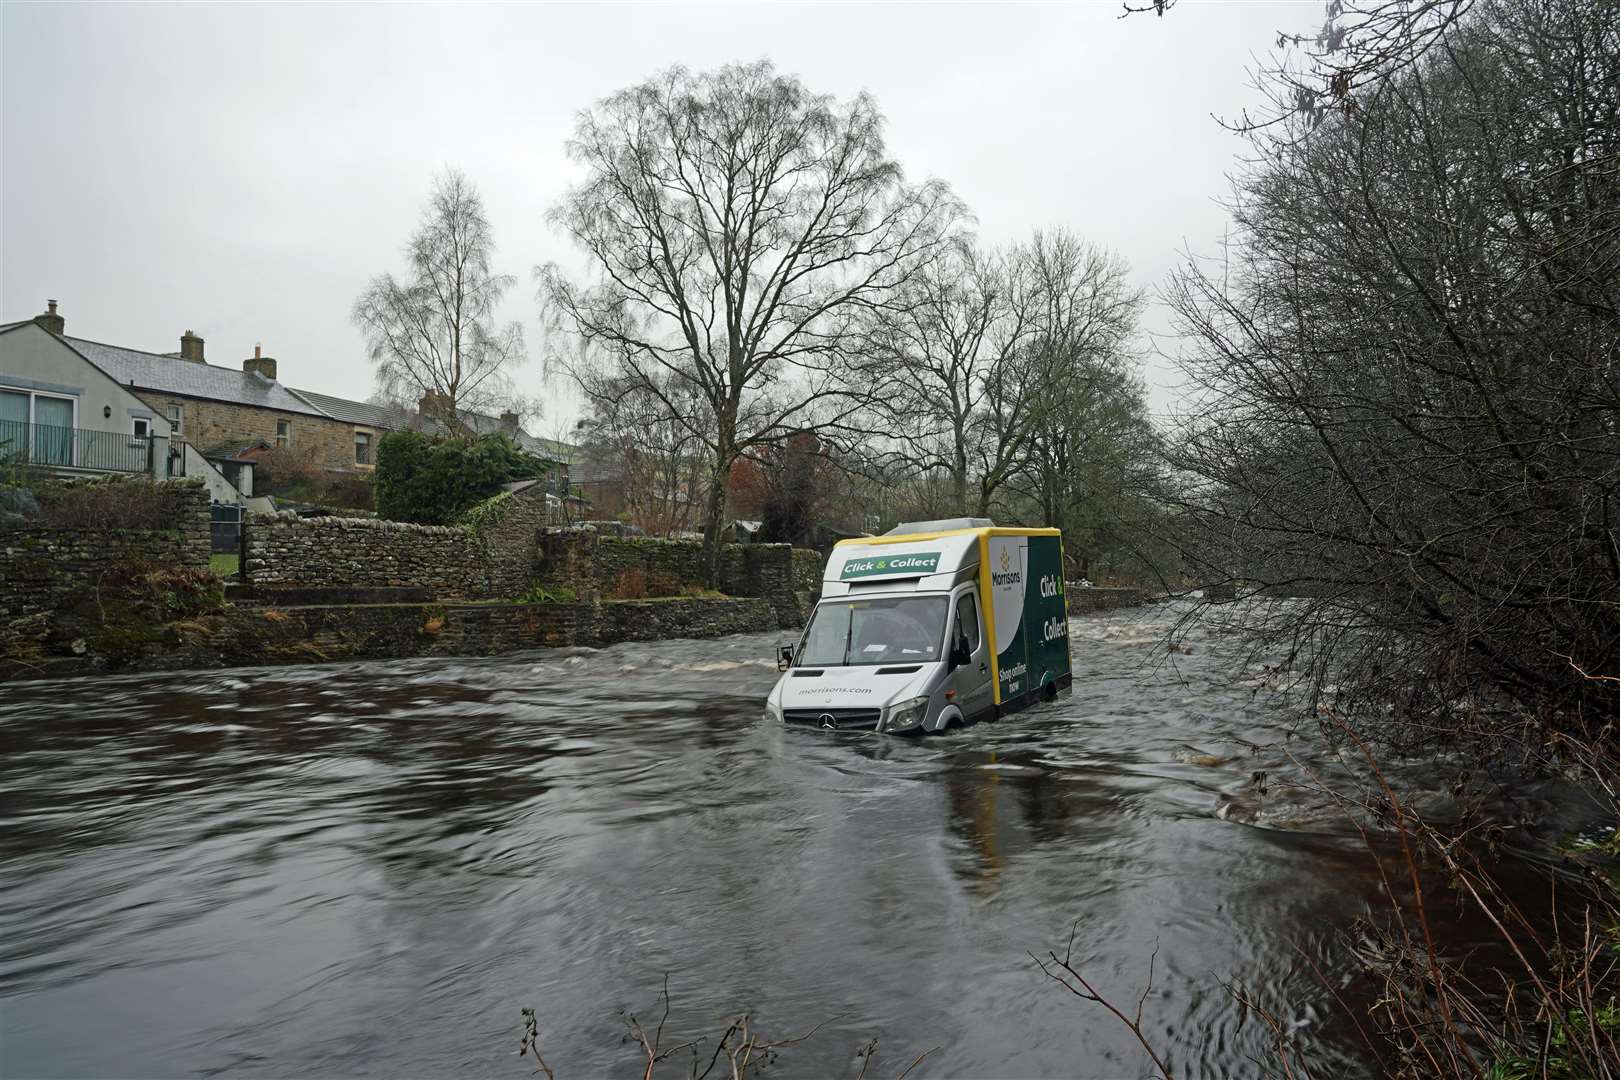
(967, 621)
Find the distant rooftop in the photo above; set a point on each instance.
(352, 412)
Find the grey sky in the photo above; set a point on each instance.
(243, 170)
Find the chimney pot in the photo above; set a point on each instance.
(191, 347)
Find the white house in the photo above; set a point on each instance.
(59, 411)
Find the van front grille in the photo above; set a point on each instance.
(835, 718)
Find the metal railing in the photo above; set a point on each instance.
(47, 445)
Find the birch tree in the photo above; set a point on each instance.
(739, 228)
(435, 332)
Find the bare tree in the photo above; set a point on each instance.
(1359, 44)
(655, 457)
(739, 227)
(961, 405)
(1080, 358)
(1412, 409)
(434, 333)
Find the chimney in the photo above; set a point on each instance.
(191, 347)
(50, 320)
(261, 365)
(433, 405)
(509, 422)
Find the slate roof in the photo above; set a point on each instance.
(351, 412)
(171, 375)
(388, 419)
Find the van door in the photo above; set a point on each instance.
(971, 680)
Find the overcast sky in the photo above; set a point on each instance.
(243, 170)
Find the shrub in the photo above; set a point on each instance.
(297, 474)
(166, 593)
(549, 594)
(432, 481)
(119, 503)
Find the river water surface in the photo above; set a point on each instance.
(371, 868)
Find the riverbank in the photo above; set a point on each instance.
(258, 635)
(284, 626)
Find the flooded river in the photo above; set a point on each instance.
(371, 868)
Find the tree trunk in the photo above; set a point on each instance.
(716, 512)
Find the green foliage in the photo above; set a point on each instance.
(224, 565)
(432, 481)
(481, 515)
(1511, 1064)
(549, 594)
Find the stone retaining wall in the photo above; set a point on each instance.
(250, 636)
(655, 620)
(43, 569)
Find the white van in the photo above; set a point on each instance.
(932, 624)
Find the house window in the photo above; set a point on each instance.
(142, 427)
(283, 432)
(362, 448)
(175, 416)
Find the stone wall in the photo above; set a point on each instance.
(807, 569)
(43, 569)
(606, 564)
(492, 557)
(248, 636)
(676, 617)
(332, 552)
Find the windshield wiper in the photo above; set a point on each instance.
(849, 632)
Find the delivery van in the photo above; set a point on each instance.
(934, 623)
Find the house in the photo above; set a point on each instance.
(61, 412)
(203, 419)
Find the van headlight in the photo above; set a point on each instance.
(907, 713)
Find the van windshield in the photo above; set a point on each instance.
(895, 630)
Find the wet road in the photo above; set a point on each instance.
(370, 868)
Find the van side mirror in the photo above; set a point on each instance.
(961, 655)
(784, 657)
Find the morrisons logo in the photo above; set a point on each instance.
(1006, 575)
(925, 563)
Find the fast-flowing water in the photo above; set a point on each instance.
(371, 868)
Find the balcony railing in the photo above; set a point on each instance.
(22, 443)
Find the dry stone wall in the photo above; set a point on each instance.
(43, 569)
(331, 552)
(492, 558)
(586, 560)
